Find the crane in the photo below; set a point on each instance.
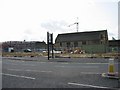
(77, 24)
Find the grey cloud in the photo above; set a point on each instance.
(54, 25)
(28, 32)
(111, 34)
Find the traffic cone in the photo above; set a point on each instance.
(111, 67)
(111, 70)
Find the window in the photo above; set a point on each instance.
(84, 42)
(60, 44)
(96, 42)
(102, 42)
(68, 44)
(89, 42)
(75, 44)
(102, 36)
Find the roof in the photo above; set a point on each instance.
(114, 42)
(79, 36)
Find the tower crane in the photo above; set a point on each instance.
(77, 25)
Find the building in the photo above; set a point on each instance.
(114, 45)
(90, 41)
(20, 46)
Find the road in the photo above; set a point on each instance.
(57, 73)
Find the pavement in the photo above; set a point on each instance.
(38, 72)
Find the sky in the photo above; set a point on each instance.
(30, 20)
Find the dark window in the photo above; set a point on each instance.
(75, 44)
(89, 42)
(96, 42)
(102, 36)
(84, 42)
(68, 44)
(60, 44)
(102, 42)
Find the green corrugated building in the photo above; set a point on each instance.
(89, 41)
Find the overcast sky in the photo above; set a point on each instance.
(31, 19)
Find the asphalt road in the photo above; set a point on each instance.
(57, 73)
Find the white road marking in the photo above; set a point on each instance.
(14, 69)
(64, 63)
(37, 71)
(28, 64)
(85, 85)
(17, 76)
(45, 71)
(59, 66)
(42, 62)
(89, 73)
(93, 63)
(29, 70)
(96, 63)
(78, 66)
(21, 64)
(88, 66)
(10, 63)
(51, 62)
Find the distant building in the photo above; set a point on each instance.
(89, 41)
(114, 46)
(20, 46)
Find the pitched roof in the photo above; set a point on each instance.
(79, 36)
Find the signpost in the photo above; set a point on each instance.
(50, 44)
